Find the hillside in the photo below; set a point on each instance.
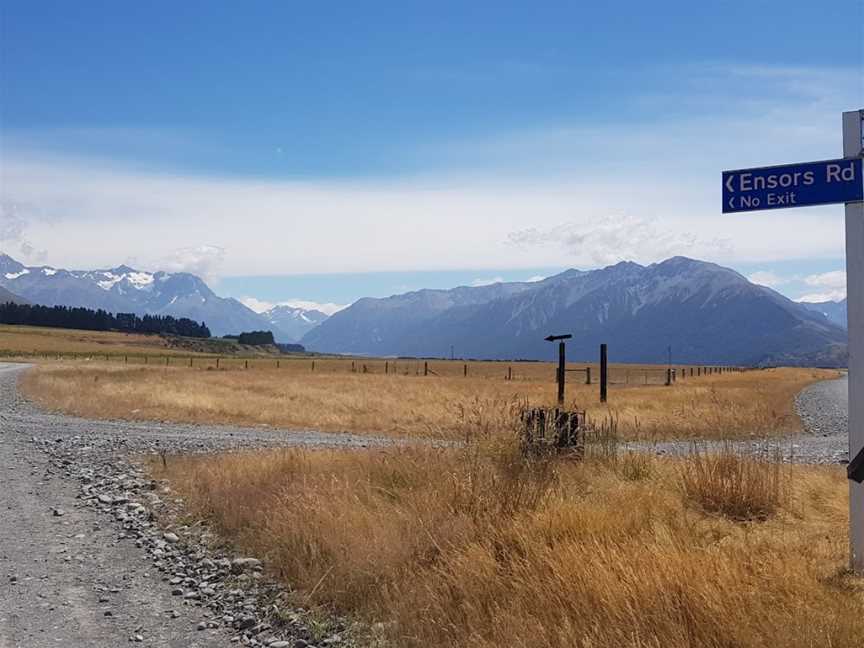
(707, 313)
(6, 297)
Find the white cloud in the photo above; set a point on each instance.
(832, 286)
(768, 278)
(617, 237)
(835, 279)
(259, 305)
(830, 295)
(583, 195)
(202, 260)
(487, 281)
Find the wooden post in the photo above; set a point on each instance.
(313, 366)
(587, 375)
(562, 372)
(353, 368)
(278, 364)
(190, 361)
(217, 363)
(146, 361)
(425, 368)
(604, 373)
(167, 360)
(386, 368)
(247, 364)
(509, 373)
(126, 359)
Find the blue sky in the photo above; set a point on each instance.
(326, 151)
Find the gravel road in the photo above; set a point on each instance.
(824, 411)
(82, 563)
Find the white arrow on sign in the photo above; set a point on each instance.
(729, 184)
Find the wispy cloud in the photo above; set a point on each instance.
(769, 279)
(488, 281)
(831, 286)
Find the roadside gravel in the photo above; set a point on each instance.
(83, 561)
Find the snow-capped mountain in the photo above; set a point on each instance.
(127, 290)
(707, 313)
(290, 323)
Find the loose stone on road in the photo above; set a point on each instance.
(83, 564)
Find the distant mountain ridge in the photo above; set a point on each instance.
(292, 322)
(127, 290)
(836, 312)
(707, 313)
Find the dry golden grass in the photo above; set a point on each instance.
(27, 340)
(725, 406)
(478, 547)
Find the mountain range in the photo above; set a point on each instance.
(127, 290)
(705, 312)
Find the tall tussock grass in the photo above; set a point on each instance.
(480, 546)
(741, 486)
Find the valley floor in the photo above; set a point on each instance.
(732, 405)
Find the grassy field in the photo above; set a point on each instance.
(729, 405)
(479, 547)
(28, 340)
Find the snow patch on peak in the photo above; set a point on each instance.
(15, 275)
(49, 272)
(139, 279)
(109, 281)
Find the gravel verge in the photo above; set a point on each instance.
(91, 553)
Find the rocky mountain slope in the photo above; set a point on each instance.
(707, 313)
(6, 297)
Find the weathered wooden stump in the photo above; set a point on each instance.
(553, 430)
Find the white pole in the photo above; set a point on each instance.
(853, 146)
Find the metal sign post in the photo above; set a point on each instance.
(853, 148)
(822, 183)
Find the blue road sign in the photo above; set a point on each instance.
(793, 185)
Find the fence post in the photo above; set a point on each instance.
(587, 375)
(353, 368)
(668, 377)
(190, 361)
(509, 373)
(313, 366)
(246, 364)
(465, 370)
(278, 364)
(604, 373)
(562, 372)
(126, 359)
(425, 368)
(386, 368)
(217, 363)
